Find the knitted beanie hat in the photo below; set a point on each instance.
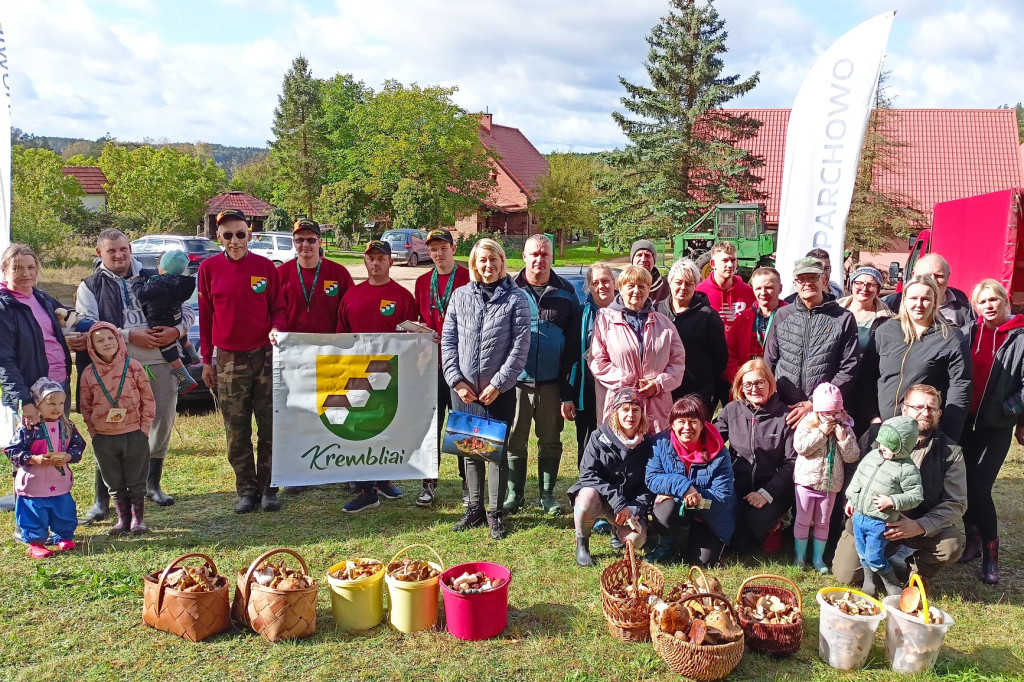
(898, 434)
(643, 245)
(826, 398)
(174, 262)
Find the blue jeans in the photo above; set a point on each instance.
(868, 536)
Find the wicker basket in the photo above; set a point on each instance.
(628, 617)
(191, 615)
(703, 662)
(275, 614)
(777, 639)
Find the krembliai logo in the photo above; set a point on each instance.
(331, 288)
(357, 395)
(387, 308)
(258, 284)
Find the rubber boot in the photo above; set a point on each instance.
(990, 562)
(892, 585)
(185, 381)
(868, 587)
(583, 552)
(516, 485)
(972, 550)
(800, 553)
(153, 492)
(124, 516)
(818, 549)
(663, 550)
(138, 511)
(100, 508)
(547, 475)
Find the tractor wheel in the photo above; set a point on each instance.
(703, 263)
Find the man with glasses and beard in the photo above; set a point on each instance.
(932, 529)
(240, 307)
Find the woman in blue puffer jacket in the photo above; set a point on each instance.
(484, 345)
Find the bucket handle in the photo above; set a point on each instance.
(258, 560)
(916, 578)
(771, 576)
(440, 561)
(160, 586)
(871, 599)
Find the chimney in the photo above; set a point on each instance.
(485, 122)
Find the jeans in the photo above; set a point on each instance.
(871, 543)
(36, 516)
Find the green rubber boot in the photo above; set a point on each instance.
(818, 547)
(547, 475)
(516, 484)
(799, 561)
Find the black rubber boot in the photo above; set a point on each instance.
(990, 562)
(972, 550)
(153, 492)
(100, 508)
(583, 552)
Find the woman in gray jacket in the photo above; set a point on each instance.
(484, 344)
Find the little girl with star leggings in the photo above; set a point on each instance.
(42, 482)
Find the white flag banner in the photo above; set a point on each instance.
(5, 146)
(823, 145)
(354, 407)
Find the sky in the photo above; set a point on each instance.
(187, 71)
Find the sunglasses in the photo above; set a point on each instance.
(228, 236)
(305, 240)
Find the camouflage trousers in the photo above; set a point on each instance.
(245, 388)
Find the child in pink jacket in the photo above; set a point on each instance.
(117, 403)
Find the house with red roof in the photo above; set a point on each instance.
(515, 172)
(949, 154)
(93, 182)
(256, 210)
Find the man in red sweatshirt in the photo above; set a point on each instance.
(240, 306)
(755, 323)
(377, 306)
(433, 292)
(730, 296)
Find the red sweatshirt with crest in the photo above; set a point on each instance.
(326, 289)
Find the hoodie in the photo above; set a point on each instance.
(136, 396)
(729, 303)
(899, 477)
(985, 345)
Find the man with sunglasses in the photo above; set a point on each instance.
(811, 341)
(240, 306)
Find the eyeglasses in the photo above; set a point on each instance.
(228, 236)
(810, 281)
(759, 383)
(865, 285)
(922, 408)
(305, 240)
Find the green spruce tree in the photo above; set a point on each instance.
(299, 148)
(682, 156)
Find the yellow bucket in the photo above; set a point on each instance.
(412, 606)
(357, 604)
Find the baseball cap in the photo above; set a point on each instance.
(443, 235)
(808, 266)
(378, 245)
(306, 224)
(230, 214)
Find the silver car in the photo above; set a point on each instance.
(408, 246)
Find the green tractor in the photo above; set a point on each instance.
(741, 224)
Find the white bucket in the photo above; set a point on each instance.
(844, 641)
(911, 645)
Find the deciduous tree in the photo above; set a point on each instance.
(565, 197)
(256, 178)
(43, 200)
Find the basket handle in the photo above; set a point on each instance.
(771, 576)
(703, 576)
(260, 559)
(916, 578)
(713, 596)
(635, 574)
(402, 551)
(161, 583)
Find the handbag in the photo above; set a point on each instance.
(470, 435)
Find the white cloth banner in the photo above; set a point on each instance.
(5, 146)
(354, 407)
(823, 145)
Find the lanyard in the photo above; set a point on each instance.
(120, 387)
(60, 442)
(831, 449)
(302, 285)
(762, 336)
(438, 303)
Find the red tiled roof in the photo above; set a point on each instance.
(952, 153)
(519, 158)
(91, 178)
(249, 205)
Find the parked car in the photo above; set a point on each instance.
(408, 246)
(199, 394)
(148, 250)
(576, 275)
(277, 246)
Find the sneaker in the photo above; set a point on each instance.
(426, 497)
(361, 503)
(390, 491)
(270, 503)
(246, 504)
(39, 552)
(473, 518)
(66, 545)
(498, 531)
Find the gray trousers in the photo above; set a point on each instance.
(123, 461)
(591, 506)
(165, 390)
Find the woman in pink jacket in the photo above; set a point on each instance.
(636, 346)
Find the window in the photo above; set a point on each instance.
(284, 243)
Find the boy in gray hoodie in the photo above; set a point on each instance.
(887, 482)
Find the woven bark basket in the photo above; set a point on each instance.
(191, 615)
(275, 614)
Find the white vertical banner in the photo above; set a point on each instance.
(354, 407)
(823, 144)
(5, 146)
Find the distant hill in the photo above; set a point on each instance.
(228, 158)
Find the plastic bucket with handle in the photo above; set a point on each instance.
(912, 644)
(476, 616)
(357, 604)
(412, 606)
(844, 640)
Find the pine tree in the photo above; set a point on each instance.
(682, 156)
(300, 140)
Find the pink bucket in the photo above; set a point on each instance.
(476, 616)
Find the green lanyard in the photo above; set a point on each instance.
(120, 388)
(437, 303)
(312, 288)
(830, 448)
(762, 337)
(60, 441)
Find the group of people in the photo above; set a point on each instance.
(810, 388)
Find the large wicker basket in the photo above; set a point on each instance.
(705, 662)
(191, 615)
(628, 617)
(275, 614)
(777, 639)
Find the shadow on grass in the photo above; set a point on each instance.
(544, 619)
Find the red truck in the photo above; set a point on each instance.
(981, 237)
